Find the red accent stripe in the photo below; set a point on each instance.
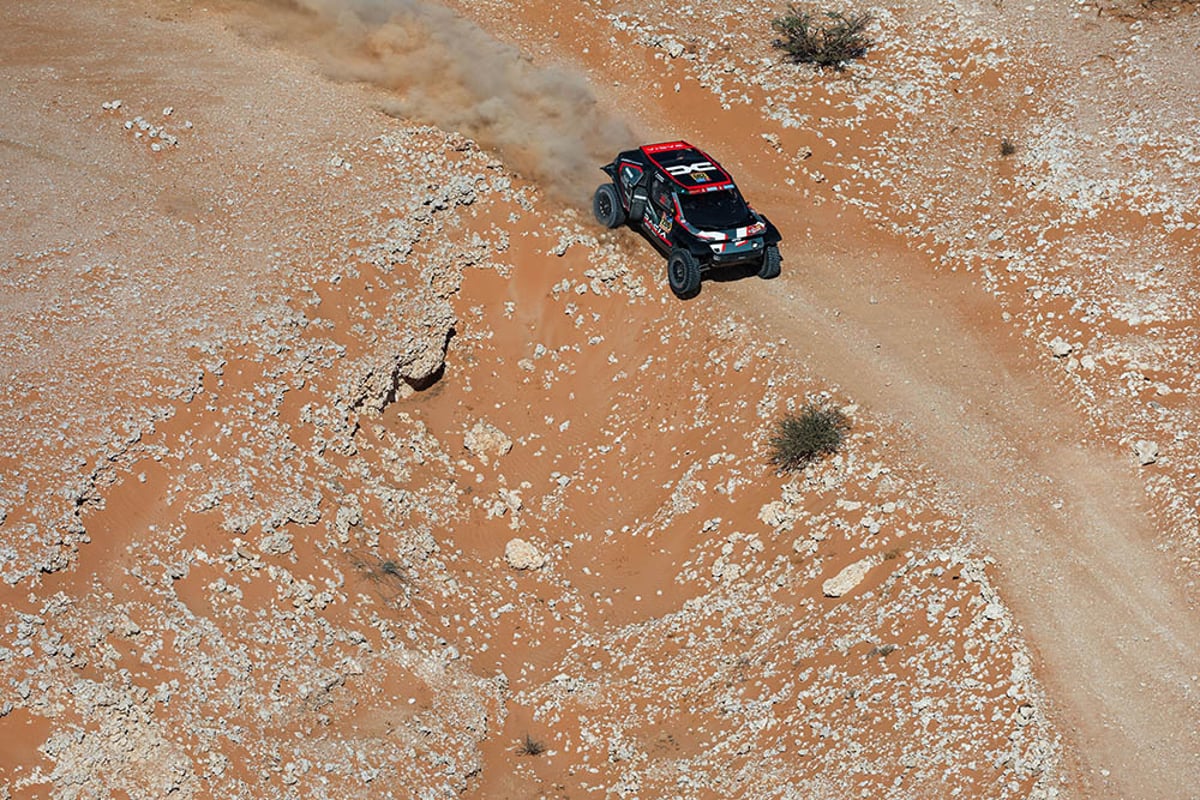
(713, 187)
(664, 147)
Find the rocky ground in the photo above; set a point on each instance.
(344, 455)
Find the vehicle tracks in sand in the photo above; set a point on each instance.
(1043, 491)
(926, 349)
(1060, 514)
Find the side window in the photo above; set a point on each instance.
(630, 175)
(659, 192)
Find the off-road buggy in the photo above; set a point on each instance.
(690, 208)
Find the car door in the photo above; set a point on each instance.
(632, 180)
(660, 211)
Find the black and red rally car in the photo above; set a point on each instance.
(689, 206)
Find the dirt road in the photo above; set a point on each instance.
(266, 199)
(1061, 516)
(1048, 495)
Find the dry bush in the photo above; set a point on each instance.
(802, 438)
(831, 40)
(528, 746)
(1138, 10)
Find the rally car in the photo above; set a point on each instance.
(688, 206)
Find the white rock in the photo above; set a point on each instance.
(726, 571)
(1060, 348)
(511, 498)
(774, 514)
(1147, 451)
(848, 578)
(520, 554)
(276, 544)
(484, 440)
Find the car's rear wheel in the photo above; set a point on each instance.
(771, 263)
(683, 273)
(607, 206)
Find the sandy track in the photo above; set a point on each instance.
(1118, 643)
(1061, 511)
(926, 351)
(1062, 517)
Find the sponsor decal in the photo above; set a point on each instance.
(716, 187)
(660, 226)
(695, 168)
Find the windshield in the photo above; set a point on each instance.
(715, 210)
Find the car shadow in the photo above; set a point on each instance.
(735, 272)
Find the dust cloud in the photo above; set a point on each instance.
(444, 70)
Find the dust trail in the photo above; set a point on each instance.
(444, 70)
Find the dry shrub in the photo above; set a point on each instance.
(800, 439)
(528, 746)
(830, 40)
(1143, 10)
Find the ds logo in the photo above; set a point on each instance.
(688, 169)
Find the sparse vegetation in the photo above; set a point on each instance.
(528, 746)
(883, 650)
(1136, 10)
(390, 579)
(830, 39)
(802, 438)
(1007, 147)
(378, 570)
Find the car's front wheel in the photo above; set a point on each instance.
(683, 273)
(771, 263)
(607, 206)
